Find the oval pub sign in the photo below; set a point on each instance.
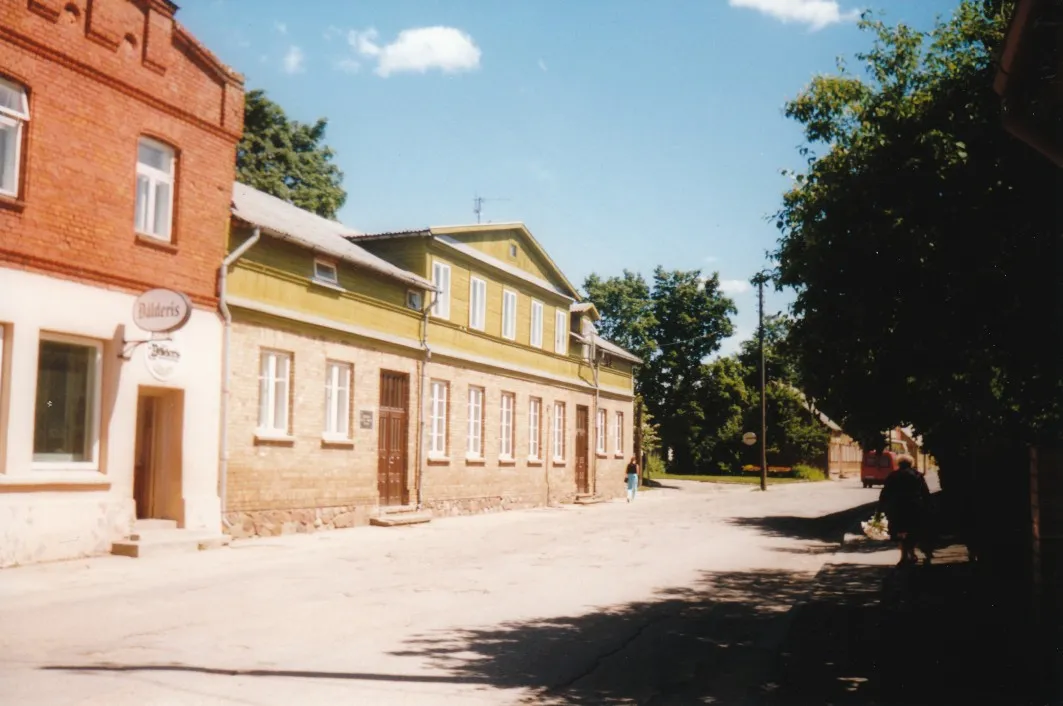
(161, 310)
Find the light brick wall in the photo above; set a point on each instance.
(303, 484)
(459, 485)
(305, 472)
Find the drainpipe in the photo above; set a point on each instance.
(597, 401)
(422, 451)
(223, 460)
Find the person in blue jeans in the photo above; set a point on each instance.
(632, 479)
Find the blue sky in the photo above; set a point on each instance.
(624, 133)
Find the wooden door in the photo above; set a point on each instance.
(392, 438)
(144, 458)
(583, 484)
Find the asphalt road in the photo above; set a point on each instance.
(682, 597)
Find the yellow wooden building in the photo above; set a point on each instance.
(445, 370)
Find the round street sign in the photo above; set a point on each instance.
(749, 438)
(162, 358)
(161, 310)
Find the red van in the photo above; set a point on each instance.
(876, 467)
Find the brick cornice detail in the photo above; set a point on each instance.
(6, 33)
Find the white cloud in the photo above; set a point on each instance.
(280, 27)
(419, 50)
(730, 346)
(735, 286)
(817, 14)
(542, 64)
(294, 60)
(348, 66)
(331, 33)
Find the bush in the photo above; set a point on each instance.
(805, 472)
(654, 466)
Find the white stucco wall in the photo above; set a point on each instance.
(66, 513)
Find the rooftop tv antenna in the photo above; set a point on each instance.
(478, 205)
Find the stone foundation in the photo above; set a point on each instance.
(271, 523)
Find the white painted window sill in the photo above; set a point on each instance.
(326, 284)
(57, 477)
(474, 457)
(337, 440)
(268, 435)
(164, 239)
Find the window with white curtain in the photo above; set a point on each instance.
(618, 435)
(437, 430)
(509, 314)
(536, 336)
(535, 439)
(274, 386)
(599, 432)
(559, 431)
(505, 447)
(441, 279)
(477, 303)
(475, 444)
(561, 331)
(338, 400)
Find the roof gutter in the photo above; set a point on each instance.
(223, 306)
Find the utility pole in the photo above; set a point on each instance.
(759, 279)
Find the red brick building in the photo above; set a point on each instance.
(117, 142)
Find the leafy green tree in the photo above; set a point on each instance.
(287, 158)
(627, 311)
(921, 242)
(691, 318)
(724, 399)
(673, 326)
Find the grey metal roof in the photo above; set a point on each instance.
(282, 220)
(581, 306)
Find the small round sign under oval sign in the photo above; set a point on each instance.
(749, 438)
(161, 310)
(163, 358)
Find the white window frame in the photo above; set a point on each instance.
(339, 380)
(474, 443)
(559, 432)
(17, 119)
(155, 176)
(618, 434)
(509, 314)
(268, 378)
(507, 429)
(93, 424)
(535, 421)
(437, 418)
(535, 336)
(441, 279)
(477, 303)
(560, 332)
(328, 266)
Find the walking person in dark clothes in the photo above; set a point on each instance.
(905, 500)
(632, 479)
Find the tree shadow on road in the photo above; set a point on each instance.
(825, 528)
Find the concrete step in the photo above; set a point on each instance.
(589, 499)
(145, 525)
(399, 519)
(166, 542)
